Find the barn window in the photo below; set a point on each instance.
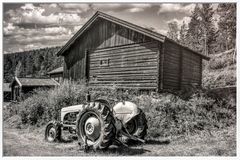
(104, 62)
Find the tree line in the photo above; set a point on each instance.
(209, 31)
(34, 63)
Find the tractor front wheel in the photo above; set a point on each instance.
(53, 131)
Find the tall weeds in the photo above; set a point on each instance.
(167, 114)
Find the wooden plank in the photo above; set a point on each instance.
(130, 49)
(131, 63)
(117, 47)
(180, 69)
(126, 85)
(129, 59)
(124, 55)
(117, 70)
(127, 72)
(126, 82)
(119, 67)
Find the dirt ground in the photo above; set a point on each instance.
(28, 142)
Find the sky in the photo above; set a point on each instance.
(28, 26)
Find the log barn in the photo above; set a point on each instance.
(108, 50)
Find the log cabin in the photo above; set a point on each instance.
(56, 74)
(108, 50)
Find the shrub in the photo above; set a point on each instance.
(167, 114)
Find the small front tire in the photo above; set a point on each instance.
(53, 131)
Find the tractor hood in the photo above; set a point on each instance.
(125, 111)
(70, 109)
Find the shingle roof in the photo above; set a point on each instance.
(6, 87)
(121, 22)
(36, 82)
(57, 70)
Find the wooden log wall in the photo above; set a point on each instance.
(181, 67)
(133, 66)
(191, 69)
(171, 64)
(102, 34)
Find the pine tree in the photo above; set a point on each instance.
(183, 34)
(173, 31)
(194, 33)
(207, 28)
(227, 25)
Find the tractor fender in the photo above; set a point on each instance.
(125, 111)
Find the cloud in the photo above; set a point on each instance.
(168, 8)
(138, 7)
(80, 7)
(186, 20)
(162, 31)
(8, 29)
(121, 7)
(32, 14)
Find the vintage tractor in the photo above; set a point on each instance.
(98, 124)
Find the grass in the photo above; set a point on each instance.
(30, 142)
(220, 71)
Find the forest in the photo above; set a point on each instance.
(33, 63)
(210, 31)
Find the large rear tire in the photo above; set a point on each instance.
(95, 124)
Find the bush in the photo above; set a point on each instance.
(167, 114)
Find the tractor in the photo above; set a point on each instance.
(98, 124)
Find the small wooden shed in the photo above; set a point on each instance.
(21, 87)
(108, 50)
(57, 74)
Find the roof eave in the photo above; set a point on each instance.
(129, 25)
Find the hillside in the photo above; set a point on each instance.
(31, 63)
(220, 71)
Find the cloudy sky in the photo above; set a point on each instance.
(32, 26)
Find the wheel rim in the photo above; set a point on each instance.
(51, 134)
(131, 126)
(90, 127)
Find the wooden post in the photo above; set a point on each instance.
(86, 63)
(161, 65)
(158, 67)
(200, 72)
(180, 69)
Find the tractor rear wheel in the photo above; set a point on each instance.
(53, 131)
(95, 126)
(137, 126)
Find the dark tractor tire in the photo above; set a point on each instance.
(137, 126)
(53, 131)
(95, 126)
